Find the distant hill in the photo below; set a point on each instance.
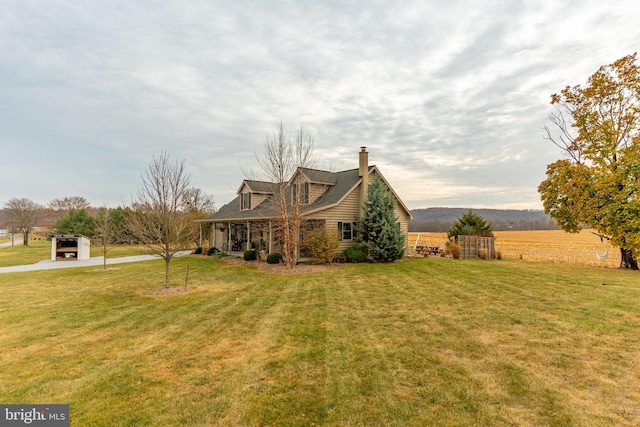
(441, 219)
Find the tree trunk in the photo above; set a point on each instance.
(25, 238)
(627, 260)
(166, 272)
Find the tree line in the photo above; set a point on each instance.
(442, 219)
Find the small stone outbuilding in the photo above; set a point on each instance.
(70, 247)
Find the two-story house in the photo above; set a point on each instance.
(333, 199)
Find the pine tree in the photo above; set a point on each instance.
(470, 224)
(378, 231)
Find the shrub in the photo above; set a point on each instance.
(213, 251)
(198, 250)
(321, 244)
(483, 253)
(339, 258)
(274, 258)
(454, 250)
(355, 254)
(498, 255)
(251, 255)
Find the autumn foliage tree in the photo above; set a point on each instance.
(596, 185)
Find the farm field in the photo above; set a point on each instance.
(423, 341)
(542, 245)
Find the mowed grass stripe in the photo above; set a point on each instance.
(417, 342)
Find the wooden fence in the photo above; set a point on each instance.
(473, 246)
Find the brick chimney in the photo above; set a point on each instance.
(363, 172)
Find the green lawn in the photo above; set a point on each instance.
(417, 342)
(40, 250)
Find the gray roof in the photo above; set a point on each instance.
(318, 176)
(261, 186)
(341, 183)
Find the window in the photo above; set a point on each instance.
(245, 201)
(300, 193)
(347, 230)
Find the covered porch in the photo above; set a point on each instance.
(263, 236)
(236, 237)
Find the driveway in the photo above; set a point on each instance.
(95, 261)
(16, 241)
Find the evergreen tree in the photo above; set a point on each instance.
(76, 221)
(378, 231)
(470, 224)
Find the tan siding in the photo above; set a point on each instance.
(316, 190)
(256, 199)
(403, 219)
(347, 211)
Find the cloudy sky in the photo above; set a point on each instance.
(450, 97)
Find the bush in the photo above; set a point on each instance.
(198, 250)
(483, 253)
(321, 244)
(498, 255)
(339, 258)
(213, 251)
(274, 258)
(454, 250)
(355, 254)
(251, 255)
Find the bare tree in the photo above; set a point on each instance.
(68, 203)
(103, 232)
(162, 220)
(24, 215)
(282, 157)
(201, 205)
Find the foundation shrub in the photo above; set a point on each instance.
(339, 258)
(355, 254)
(321, 244)
(274, 258)
(251, 255)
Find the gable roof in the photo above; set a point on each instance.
(262, 187)
(315, 176)
(340, 185)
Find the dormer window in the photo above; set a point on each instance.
(245, 201)
(300, 193)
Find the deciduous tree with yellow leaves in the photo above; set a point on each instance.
(596, 185)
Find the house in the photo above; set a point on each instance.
(332, 199)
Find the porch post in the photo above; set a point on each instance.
(248, 236)
(212, 235)
(270, 236)
(229, 236)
